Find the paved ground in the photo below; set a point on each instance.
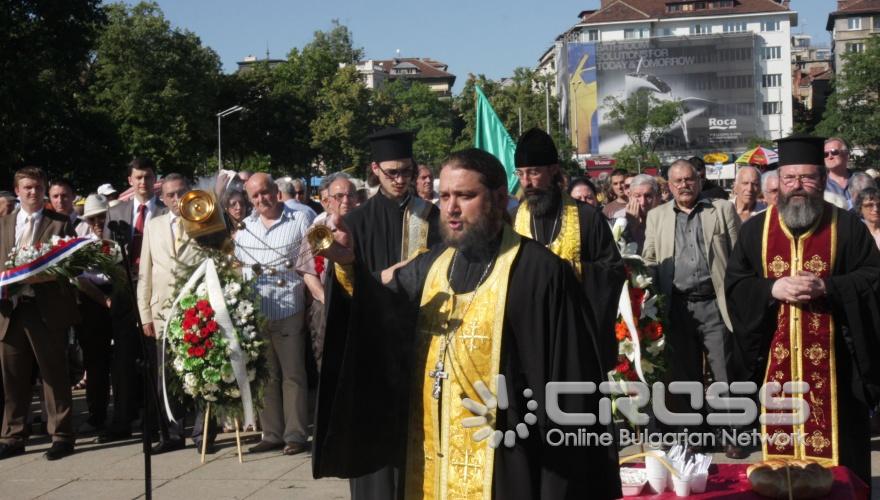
(115, 471)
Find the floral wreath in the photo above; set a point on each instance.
(225, 367)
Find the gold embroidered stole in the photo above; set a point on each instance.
(802, 348)
(443, 461)
(567, 244)
(415, 227)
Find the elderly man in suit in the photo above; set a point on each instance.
(34, 325)
(126, 223)
(687, 242)
(166, 248)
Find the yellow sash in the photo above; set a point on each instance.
(567, 245)
(443, 461)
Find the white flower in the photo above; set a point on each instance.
(641, 280)
(647, 366)
(627, 348)
(228, 376)
(209, 397)
(231, 289)
(178, 365)
(231, 301)
(189, 390)
(656, 347)
(210, 387)
(233, 393)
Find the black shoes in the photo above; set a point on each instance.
(210, 449)
(10, 450)
(264, 446)
(166, 446)
(59, 450)
(113, 436)
(295, 448)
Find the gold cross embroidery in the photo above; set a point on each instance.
(778, 267)
(780, 353)
(816, 354)
(467, 466)
(815, 265)
(471, 335)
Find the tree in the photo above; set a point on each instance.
(46, 48)
(644, 118)
(415, 107)
(341, 127)
(853, 108)
(158, 86)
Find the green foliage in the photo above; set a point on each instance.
(45, 51)
(853, 109)
(644, 118)
(341, 127)
(753, 142)
(519, 100)
(157, 85)
(635, 158)
(415, 107)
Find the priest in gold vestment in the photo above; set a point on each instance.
(499, 317)
(576, 232)
(802, 288)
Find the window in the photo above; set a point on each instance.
(877, 22)
(771, 53)
(665, 32)
(854, 23)
(774, 80)
(857, 47)
(737, 27)
(700, 29)
(630, 34)
(772, 108)
(593, 35)
(770, 26)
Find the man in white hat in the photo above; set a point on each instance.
(95, 331)
(107, 190)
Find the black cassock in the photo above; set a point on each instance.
(602, 268)
(546, 337)
(358, 328)
(854, 293)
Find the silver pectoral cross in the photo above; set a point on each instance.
(438, 375)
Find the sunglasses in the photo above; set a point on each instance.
(394, 173)
(833, 152)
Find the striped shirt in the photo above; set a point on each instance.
(280, 288)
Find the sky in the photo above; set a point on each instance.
(490, 37)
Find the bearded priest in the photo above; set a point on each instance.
(576, 232)
(490, 303)
(802, 293)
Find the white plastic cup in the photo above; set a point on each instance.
(681, 485)
(657, 473)
(698, 482)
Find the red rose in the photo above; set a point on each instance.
(202, 304)
(212, 326)
(654, 330)
(207, 312)
(204, 333)
(622, 367)
(105, 247)
(632, 375)
(209, 344)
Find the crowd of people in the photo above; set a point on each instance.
(433, 287)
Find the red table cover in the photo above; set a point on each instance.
(730, 481)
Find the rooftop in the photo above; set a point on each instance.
(635, 10)
(855, 7)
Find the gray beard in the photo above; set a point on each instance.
(800, 215)
(541, 203)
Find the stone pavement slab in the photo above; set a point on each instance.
(115, 471)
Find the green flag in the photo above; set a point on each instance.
(491, 136)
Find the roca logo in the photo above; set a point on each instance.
(721, 124)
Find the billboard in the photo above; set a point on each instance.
(714, 78)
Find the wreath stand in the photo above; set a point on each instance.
(205, 434)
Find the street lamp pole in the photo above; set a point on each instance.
(220, 116)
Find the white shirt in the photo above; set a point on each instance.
(135, 206)
(20, 224)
